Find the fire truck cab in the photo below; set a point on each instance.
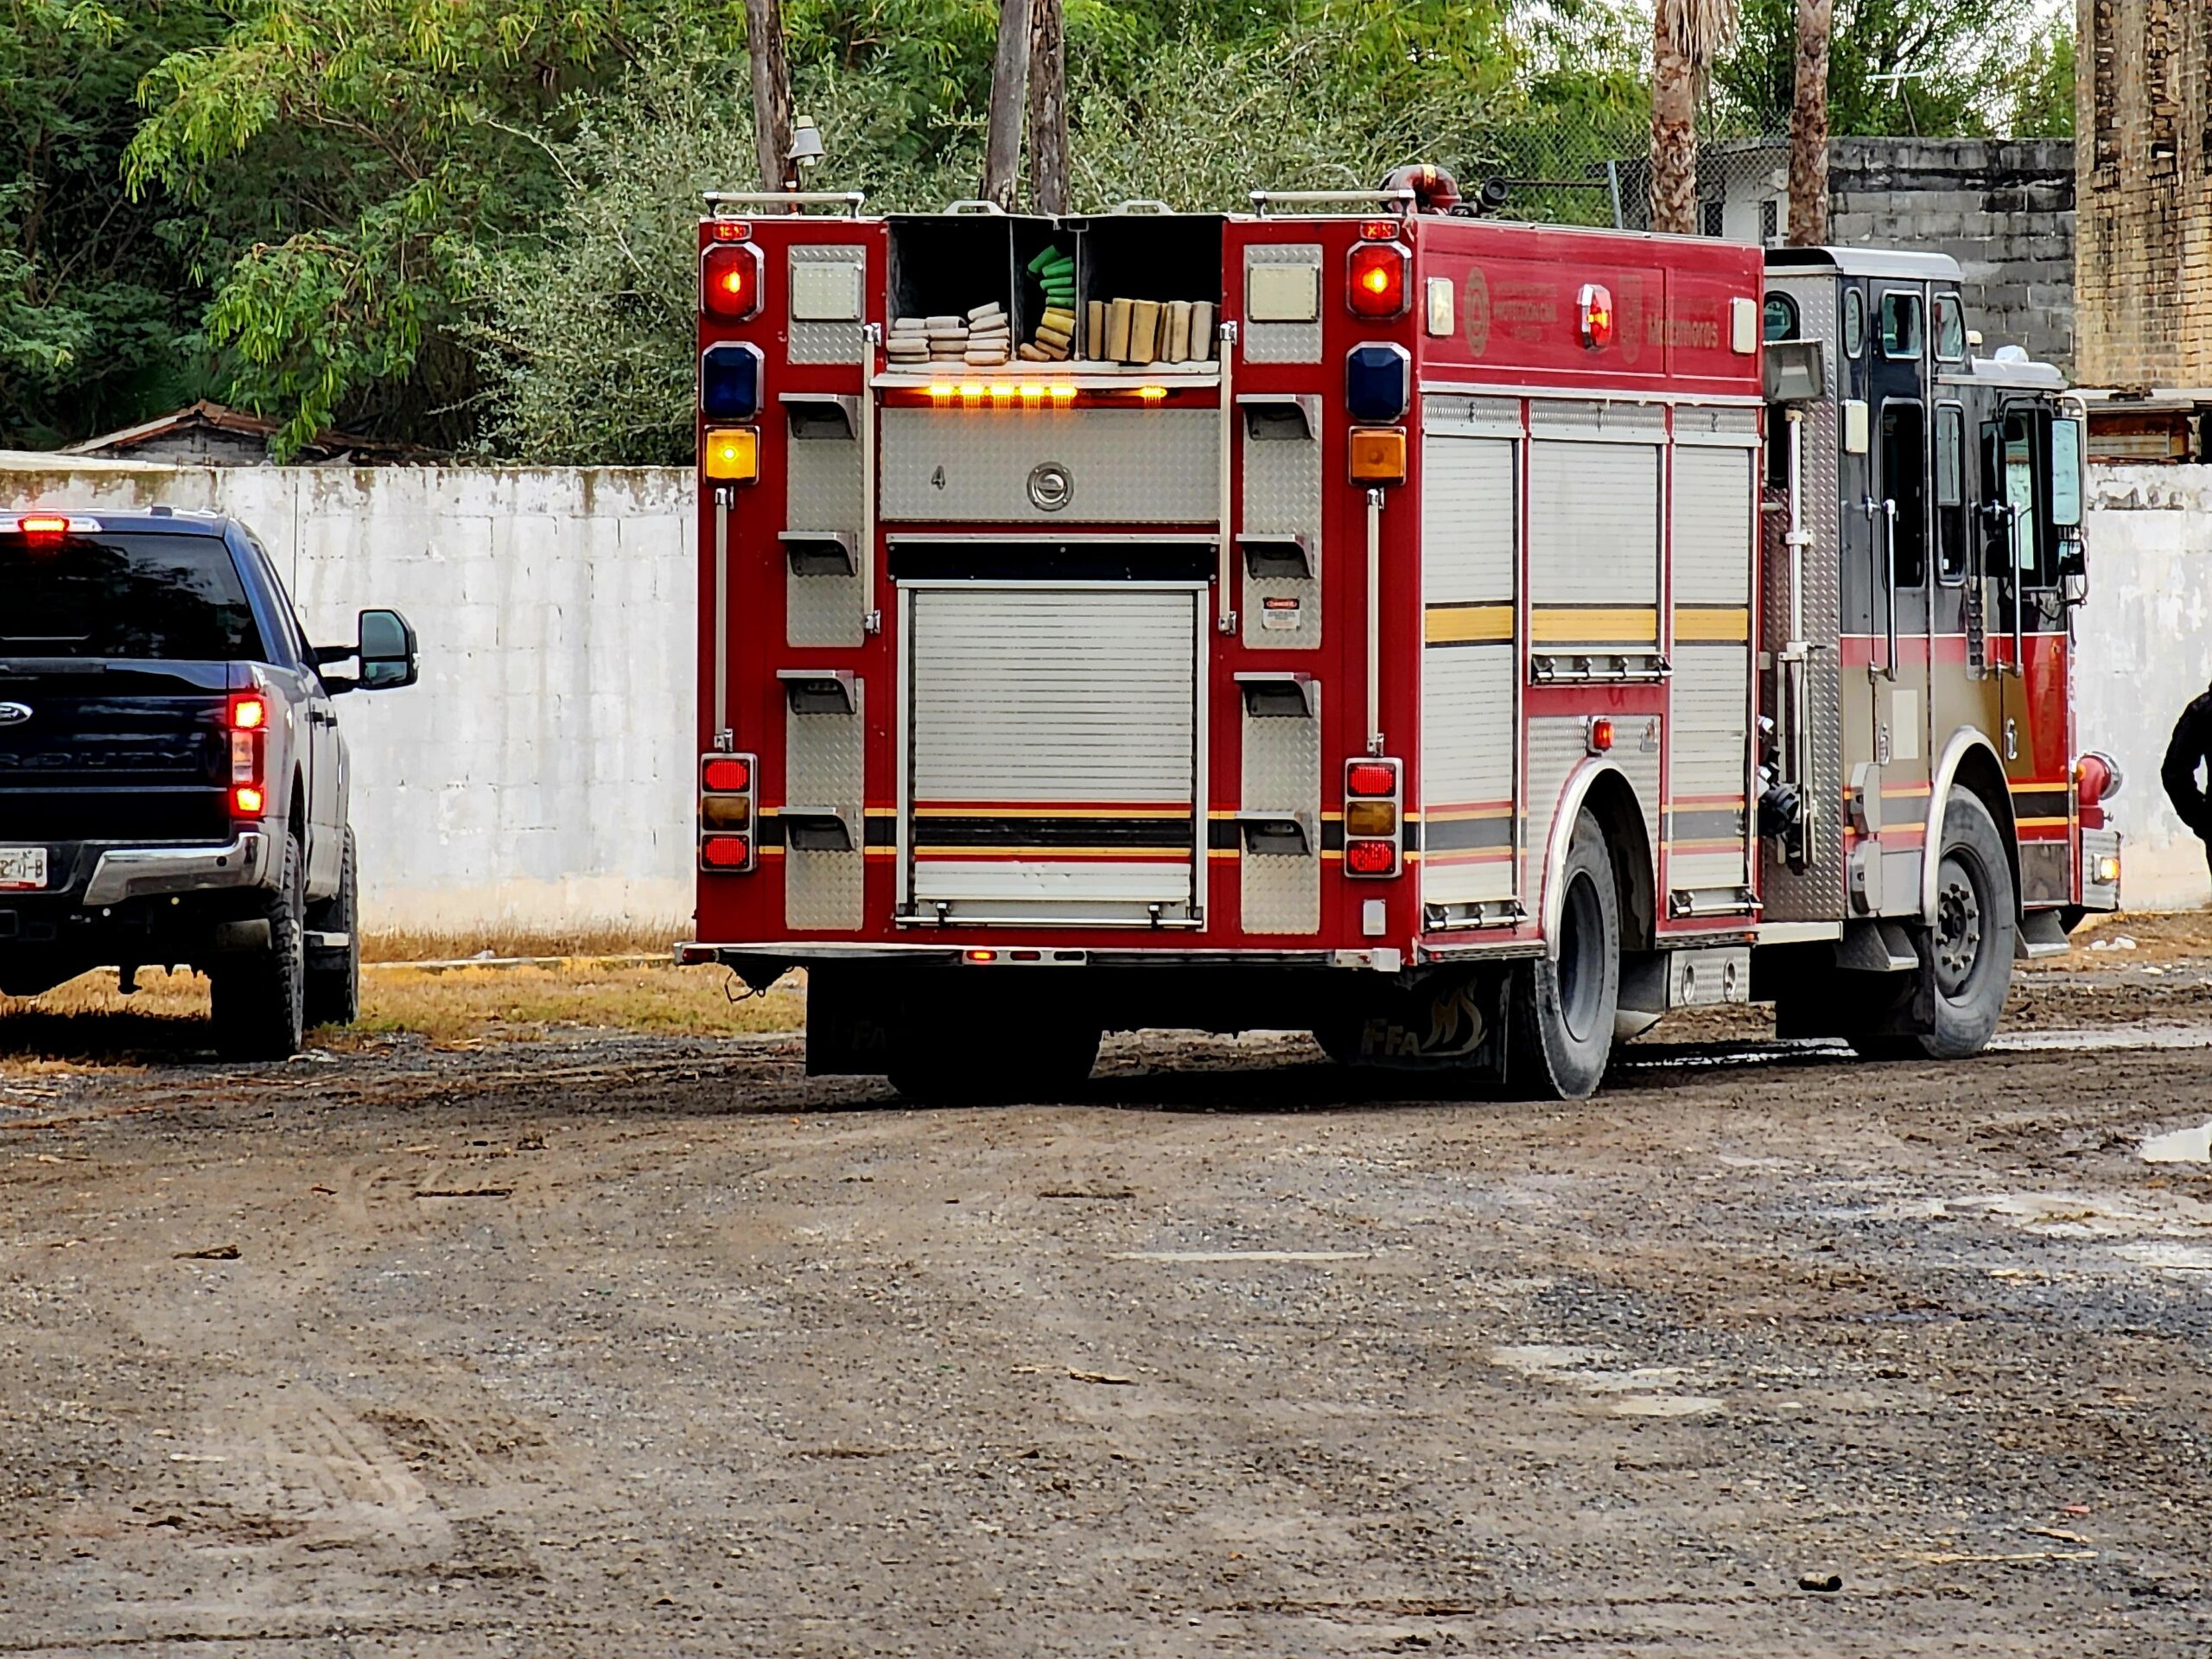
(1462, 640)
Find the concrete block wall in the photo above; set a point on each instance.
(539, 777)
(2004, 210)
(2145, 640)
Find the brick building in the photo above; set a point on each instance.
(2143, 273)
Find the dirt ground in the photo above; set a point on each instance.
(571, 1341)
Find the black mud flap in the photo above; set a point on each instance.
(849, 1021)
(1449, 1021)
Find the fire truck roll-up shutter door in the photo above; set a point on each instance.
(1708, 828)
(1470, 557)
(1053, 754)
(1593, 532)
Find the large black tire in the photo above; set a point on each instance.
(259, 1000)
(1560, 1030)
(943, 1060)
(334, 983)
(1969, 949)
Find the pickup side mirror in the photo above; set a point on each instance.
(387, 651)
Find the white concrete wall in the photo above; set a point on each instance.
(2146, 649)
(539, 777)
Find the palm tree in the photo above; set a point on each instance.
(1687, 36)
(1808, 127)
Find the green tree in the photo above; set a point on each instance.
(352, 158)
(98, 307)
(2043, 89)
(1895, 66)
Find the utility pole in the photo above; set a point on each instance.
(771, 89)
(1808, 127)
(1009, 80)
(1048, 107)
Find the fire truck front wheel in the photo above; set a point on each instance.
(1968, 948)
(1561, 1029)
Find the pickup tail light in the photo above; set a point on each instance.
(728, 828)
(1374, 817)
(247, 720)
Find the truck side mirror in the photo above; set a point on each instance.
(2066, 473)
(387, 651)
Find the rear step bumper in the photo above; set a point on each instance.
(125, 873)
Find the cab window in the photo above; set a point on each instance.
(2020, 528)
(1901, 326)
(1950, 493)
(2020, 495)
(1904, 441)
(1780, 321)
(1854, 321)
(1950, 329)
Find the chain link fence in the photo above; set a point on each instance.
(1581, 176)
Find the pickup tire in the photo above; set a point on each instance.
(333, 981)
(259, 1000)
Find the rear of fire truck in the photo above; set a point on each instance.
(1069, 589)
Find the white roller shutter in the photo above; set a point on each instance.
(1052, 739)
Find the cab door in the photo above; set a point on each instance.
(2029, 641)
(1900, 523)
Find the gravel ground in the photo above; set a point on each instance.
(651, 1346)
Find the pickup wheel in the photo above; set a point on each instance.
(333, 973)
(259, 1000)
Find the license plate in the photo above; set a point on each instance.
(22, 867)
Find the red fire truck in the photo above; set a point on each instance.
(1463, 640)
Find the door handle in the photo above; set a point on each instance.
(323, 716)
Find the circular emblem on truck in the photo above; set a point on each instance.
(1052, 486)
(13, 714)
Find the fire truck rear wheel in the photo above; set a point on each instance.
(1560, 1027)
(1968, 948)
(940, 1063)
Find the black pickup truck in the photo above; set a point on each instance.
(173, 784)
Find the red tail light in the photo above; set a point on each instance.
(248, 720)
(1374, 822)
(726, 806)
(729, 281)
(1378, 279)
(1371, 857)
(726, 853)
(727, 775)
(1599, 736)
(1372, 778)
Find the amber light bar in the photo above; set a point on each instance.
(1038, 395)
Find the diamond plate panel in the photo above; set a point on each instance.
(823, 492)
(1283, 496)
(1815, 893)
(1281, 893)
(1128, 466)
(829, 342)
(1283, 342)
(822, 767)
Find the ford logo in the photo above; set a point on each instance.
(13, 714)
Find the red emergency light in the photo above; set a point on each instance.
(1595, 306)
(1378, 279)
(729, 281)
(729, 774)
(1371, 857)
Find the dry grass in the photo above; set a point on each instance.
(88, 1018)
(608, 939)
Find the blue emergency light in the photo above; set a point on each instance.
(729, 382)
(1378, 377)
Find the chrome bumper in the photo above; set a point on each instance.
(153, 872)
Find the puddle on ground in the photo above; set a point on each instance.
(2180, 1146)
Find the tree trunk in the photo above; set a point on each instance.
(1808, 127)
(1048, 108)
(772, 90)
(1673, 129)
(1009, 80)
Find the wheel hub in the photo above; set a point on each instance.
(1958, 928)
